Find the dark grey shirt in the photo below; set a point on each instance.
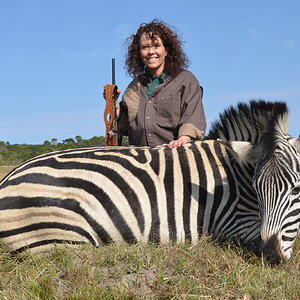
(174, 109)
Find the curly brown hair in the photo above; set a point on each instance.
(175, 61)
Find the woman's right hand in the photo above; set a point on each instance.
(118, 93)
(181, 141)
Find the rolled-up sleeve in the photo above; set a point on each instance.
(192, 121)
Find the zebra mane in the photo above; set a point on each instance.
(254, 122)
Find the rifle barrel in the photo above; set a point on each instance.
(113, 71)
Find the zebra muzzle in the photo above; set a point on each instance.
(271, 250)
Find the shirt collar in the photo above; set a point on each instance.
(161, 77)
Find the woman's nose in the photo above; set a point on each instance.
(151, 50)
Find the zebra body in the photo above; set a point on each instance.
(247, 189)
(102, 195)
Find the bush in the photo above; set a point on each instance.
(18, 153)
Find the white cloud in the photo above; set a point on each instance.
(289, 43)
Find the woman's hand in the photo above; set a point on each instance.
(181, 141)
(118, 91)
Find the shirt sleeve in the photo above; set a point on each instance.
(129, 106)
(192, 121)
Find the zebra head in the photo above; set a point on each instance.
(276, 179)
(277, 185)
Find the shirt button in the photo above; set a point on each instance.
(150, 101)
(149, 134)
(148, 117)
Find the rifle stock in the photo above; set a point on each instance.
(110, 115)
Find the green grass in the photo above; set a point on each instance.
(204, 271)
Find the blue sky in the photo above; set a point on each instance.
(55, 56)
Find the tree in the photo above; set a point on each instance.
(2, 145)
(79, 139)
(68, 141)
(47, 143)
(53, 142)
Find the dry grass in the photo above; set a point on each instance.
(5, 170)
(205, 271)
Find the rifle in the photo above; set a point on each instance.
(110, 112)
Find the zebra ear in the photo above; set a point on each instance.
(296, 143)
(246, 151)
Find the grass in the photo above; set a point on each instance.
(4, 170)
(204, 271)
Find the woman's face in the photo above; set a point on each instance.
(153, 53)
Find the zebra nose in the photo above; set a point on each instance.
(271, 250)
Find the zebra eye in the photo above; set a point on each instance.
(295, 191)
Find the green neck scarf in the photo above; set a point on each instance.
(155, 81)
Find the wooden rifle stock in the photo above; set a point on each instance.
(110, 115)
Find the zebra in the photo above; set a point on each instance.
(218, 187)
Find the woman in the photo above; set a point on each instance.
(163, 103)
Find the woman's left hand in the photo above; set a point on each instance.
(181, 141)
